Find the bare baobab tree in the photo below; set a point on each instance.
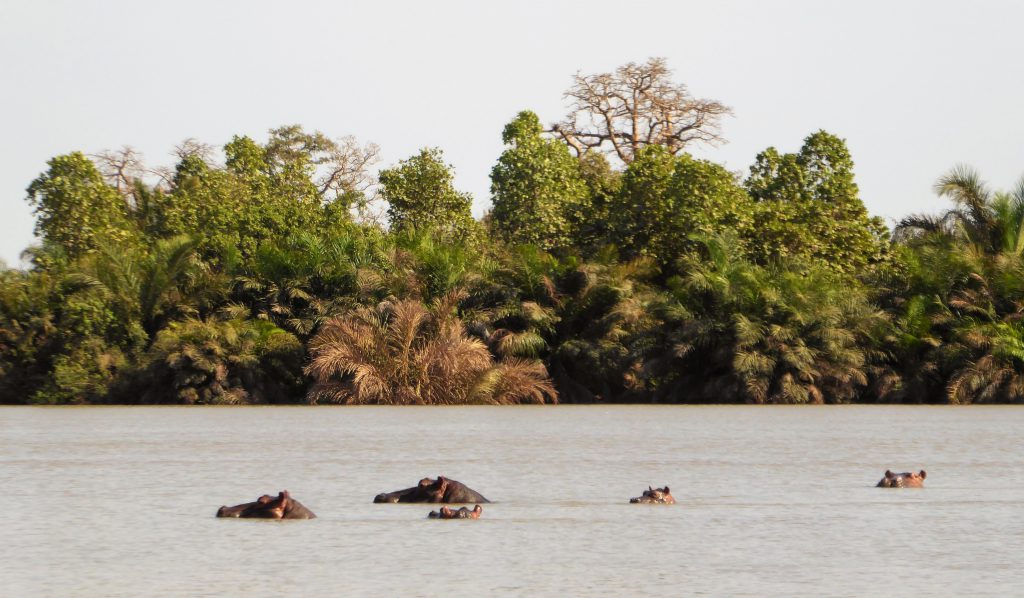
(346, 167)
(124, 169)
(339, 167)
(121, 168)
(636, 106)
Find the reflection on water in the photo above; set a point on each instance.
(772, 501)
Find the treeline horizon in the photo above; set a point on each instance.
(613, 266)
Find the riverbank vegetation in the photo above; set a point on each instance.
(613, 266)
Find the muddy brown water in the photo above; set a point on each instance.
(773, 501)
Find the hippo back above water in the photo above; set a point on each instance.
(440, 490)
(283, 506)
(902, 480)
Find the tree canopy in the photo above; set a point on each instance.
(420, 193)
(538, 193)
(614, 266)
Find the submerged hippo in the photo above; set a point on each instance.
(902, 480)
(283, 506)
(460, 513)
(429, 490)
(655, 496)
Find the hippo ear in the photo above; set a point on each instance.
(924, 474)
(889, 474)
(665, 490)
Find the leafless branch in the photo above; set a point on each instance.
(120, 168)
(636, 106)
(193, 147)
(346, 167)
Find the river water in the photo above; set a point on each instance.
(773, 501)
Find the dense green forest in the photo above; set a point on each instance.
(613, 266)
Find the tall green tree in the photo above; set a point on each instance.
(296, 183)
(421, 195)
(603, 186)
(666, 199)
(538, 194)
(808, 206)
(75, 209)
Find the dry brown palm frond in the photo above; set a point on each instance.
(407, 320)
(521, 381)
(506, 343)
(400, 352)
(445, 307)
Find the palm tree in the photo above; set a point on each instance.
(29, 332)
(401, 352)
(510, 302)
(974, 276)
(441, 267)
(993, 222)
(414, 264)
(578, 318)
(602, 312)
(216, 361)
(997, 373)
(301, 282)
(914, 350)
(690, 357)
(987, 331)
(148, 288)
(738, 331)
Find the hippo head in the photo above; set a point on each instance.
(431, 490)
(387, 497)
(437, 489)
(277, 508)
(447, 512)
(249, 509)
(902, 480)
(661, 496)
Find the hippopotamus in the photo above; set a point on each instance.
(429, 490)
(283, 506)
(902, 480)
(655, 496)
(460, 513)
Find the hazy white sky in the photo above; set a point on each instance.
(914, 87)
